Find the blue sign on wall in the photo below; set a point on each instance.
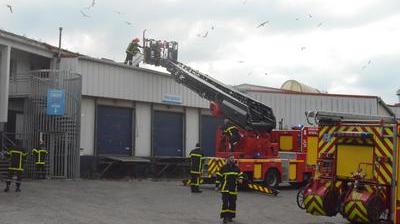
(55, 101)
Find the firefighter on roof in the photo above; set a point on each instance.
(40, 158)
(232, 134)
(17, 158)
(132, 50)
(227, 182)
(196, 163)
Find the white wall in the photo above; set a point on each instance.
(88, 109)
(143, 129)
(192, 128)
(4, 81)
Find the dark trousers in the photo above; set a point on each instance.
(194, 182)
(11, 174)
(232, 144)
(128, 58)
(228, 205)
(40, 171)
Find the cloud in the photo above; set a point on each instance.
(334, 53)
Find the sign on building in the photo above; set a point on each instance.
(172, 99)
(55, 101)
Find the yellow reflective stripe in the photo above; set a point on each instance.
(229, 211)
(196, 155)
(195, 172)
(231, 173)
(39, 163)
(20, 161)
(16, 169)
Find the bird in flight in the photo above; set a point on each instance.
(128, 23)
(91, 5)
(244, 2)
(205, 35)
(302, 48)
(10, 7)
(84, 14)
(309, 15)
(365, 66)
(262, 24)
(241, 62)
(319, 24)
(212, 27)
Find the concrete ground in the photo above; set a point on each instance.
(141, 202)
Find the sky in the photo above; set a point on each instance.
(341, 46)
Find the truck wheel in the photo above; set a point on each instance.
(272, 178)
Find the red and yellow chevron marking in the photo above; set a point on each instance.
(356, 212)
(314, 205)
(263, 189)
(214, 165)
(381, 139)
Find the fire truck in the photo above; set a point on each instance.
(263, 154)
(357, 169)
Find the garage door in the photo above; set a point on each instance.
(114, 130)
(209, 126)
(167, 134)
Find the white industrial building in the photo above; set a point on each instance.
(131, 111)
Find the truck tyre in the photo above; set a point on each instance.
(272, 178)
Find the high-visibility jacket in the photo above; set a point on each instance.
(232, 132)
(133, 48)
(228, 177)
(16, 158)
(196, 161)
(40, 156)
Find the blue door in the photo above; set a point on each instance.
(114, 131)
(167, 134)
(208, 130)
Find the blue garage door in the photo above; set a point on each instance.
(114, 130)
(167, 134)
(208, 129)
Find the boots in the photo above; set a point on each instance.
(7, 189)
(18, 189)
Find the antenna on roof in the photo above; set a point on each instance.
(59, 44)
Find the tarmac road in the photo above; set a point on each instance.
(141, 202)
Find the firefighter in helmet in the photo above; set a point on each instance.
(232, 134)
(132, 50)
(40, 158)
(196, 164)
(17, 157)
(228, 178)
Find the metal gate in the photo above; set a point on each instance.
(61, 132)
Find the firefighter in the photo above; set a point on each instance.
(40, 158)
(132, 50)
(232, 134)
(17, 158)
(228, 178)
(196, 164)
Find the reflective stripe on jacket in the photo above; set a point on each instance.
(40, 156)
(196, 161)
(227, 178)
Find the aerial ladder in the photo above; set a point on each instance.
(257, 152)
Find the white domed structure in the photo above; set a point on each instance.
(293, 85)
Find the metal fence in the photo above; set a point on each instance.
(59, 133)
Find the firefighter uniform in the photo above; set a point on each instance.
(132, 50)
(196, 164)
(40, 158)
(227, 181)
(233, 135)
(17, 158)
